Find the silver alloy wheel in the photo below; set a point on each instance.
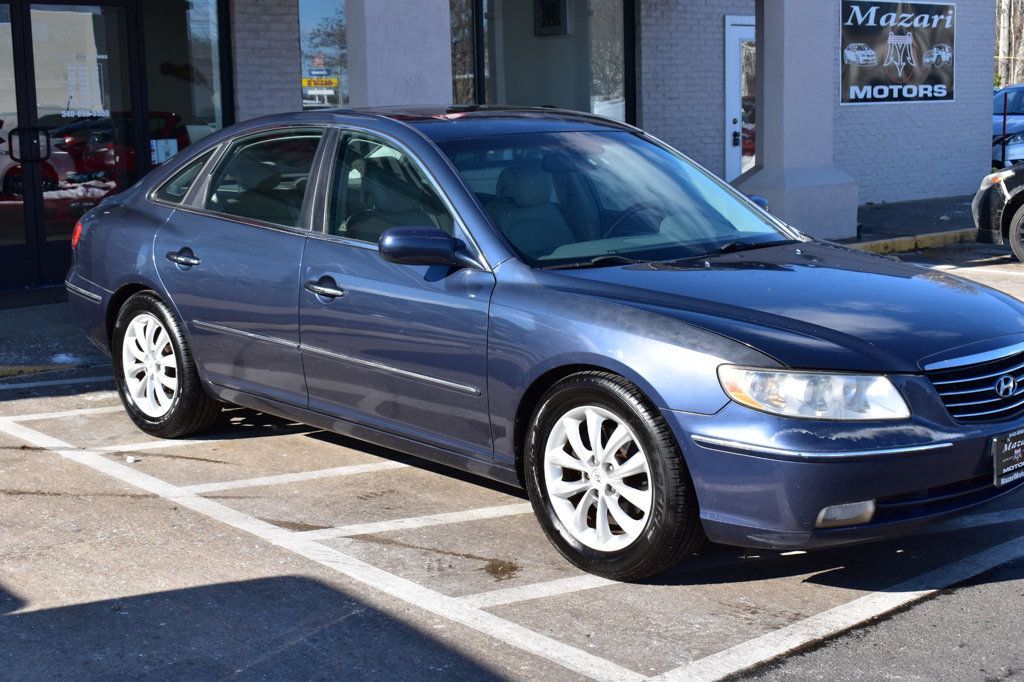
(602, 494)
(149, 365)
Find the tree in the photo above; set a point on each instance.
(330, 39)
(463, 63)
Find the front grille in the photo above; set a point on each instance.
(969, 391)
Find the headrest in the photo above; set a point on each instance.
(253, 175)
(385, 192)
(527, 185)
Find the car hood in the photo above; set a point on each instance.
(1014, 124)
(814, 304)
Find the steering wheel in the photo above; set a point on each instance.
(629, 213)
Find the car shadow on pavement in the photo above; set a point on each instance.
(871, 567)
(286, 627)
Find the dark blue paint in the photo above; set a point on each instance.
(436, 360)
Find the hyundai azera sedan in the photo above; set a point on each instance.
(557, 301)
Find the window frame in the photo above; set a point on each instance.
(630, 44)
(154, 194)
(325, 185)
(194, 200)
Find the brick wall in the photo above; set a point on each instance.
(899, 152)
(266, 59)
(896, 152)
(681, 87)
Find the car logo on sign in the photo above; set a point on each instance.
(1006, 386)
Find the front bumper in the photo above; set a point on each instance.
(759, 490)
(987, 210)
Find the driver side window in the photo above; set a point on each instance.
(377, 187)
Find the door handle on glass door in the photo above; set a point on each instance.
(325, 287)
(735, 138)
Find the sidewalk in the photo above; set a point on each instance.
(910, 225)
(38, 334)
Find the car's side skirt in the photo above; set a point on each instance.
(368, 434)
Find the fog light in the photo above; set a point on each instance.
(845, 514)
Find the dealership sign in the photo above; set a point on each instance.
(896, 52)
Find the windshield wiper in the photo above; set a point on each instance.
(733, 247)
(598, 262)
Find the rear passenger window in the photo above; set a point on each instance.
(265, 177)
(175, 189)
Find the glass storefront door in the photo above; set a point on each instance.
(16, 254)
(72, 136)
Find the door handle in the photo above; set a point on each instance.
(183, 257)
(321, 288)
(735, 138)
(45, 134)
(33, 135)
(12, 137)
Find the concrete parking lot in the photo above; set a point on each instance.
(267, 549)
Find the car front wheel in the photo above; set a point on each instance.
(607, 479)
(155, 373)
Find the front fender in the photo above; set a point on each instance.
(535, 330)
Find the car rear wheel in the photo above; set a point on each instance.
(155, 373)
(607, 480)
(1016, 236)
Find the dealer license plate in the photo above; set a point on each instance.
(1008, 456)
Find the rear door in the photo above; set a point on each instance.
(230, 261)
(402, 348)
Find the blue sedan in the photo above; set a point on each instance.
(557, 301)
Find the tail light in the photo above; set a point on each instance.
(76, 235)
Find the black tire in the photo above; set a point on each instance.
(673, 529)
(192, 409)
(1015, 235)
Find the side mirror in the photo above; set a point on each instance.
(423, 246)
(761, 201)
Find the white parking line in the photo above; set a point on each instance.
(295, 477)
(550, 588)
(450, 608)
(829, 623)
(65, 413)
(157, 445)
(419, 521)
(55, 382)
(975, 269)
(512, 595)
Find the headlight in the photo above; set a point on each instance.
(814, 395)
(992, 179)
(1017, 138)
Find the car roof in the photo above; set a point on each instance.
(443, 122)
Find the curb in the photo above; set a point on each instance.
(917, 241)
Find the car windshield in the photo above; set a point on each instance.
(1014, 102)
(574, 199)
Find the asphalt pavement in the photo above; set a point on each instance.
(266, 549)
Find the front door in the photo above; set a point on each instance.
(67, 105)
(402, 348)
(740, 96)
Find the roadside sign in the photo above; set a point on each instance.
(330, 82)
(318, 72)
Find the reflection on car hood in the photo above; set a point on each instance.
(812, 304)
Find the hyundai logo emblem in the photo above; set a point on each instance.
(1006, 386)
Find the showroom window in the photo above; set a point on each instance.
(184, 74)
(323, 28)
(572, 54)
